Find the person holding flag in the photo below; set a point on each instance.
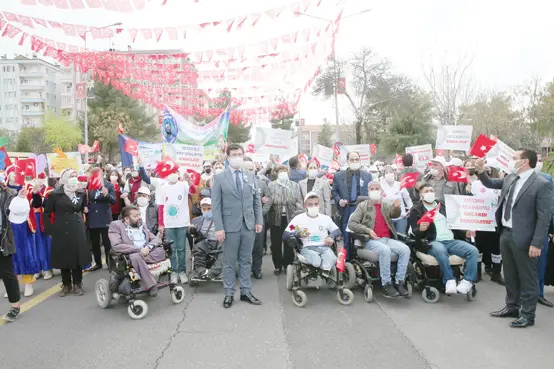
(428, 222)
(38, 193)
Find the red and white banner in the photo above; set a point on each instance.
(470, 213)
(422, 155)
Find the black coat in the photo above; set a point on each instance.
(7, 244)
(99, 211)
(70, 249)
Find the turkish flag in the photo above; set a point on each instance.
(409, 180)
(398, 161)
(166, 167)
(83, 149)
(482, 146)
(80, 90)
(250, 148)
(194, 176)
(341, 260)
(373, 148)
(336, 149)
(95, 181)
(131, 146)
(29, 167)
(439, 152)
(429, 216)
(120, 128)
(457, 174)
(95, 146)
(19, 177)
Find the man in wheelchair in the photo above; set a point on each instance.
(374, 217)
(317, 232)
(131, 237)
(206, 249)
(442, 242)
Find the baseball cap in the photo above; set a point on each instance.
(309, 195)
(206, 201)
(144, 191)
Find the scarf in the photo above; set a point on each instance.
(70, 192)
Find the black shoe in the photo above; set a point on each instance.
(66, 290)
(401, 288)
(545, 302)
(505, 313)
(497, 278)
(488, 270)
(227, 302)
(250, 299)
(277, 271)
(153, 292)
(95, 267)
(390, 291)
(522, 322)
(257, 275)
(12, 315)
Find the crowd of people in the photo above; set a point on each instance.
(63, 223)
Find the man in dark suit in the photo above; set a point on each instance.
(523, 218)
(347, 186)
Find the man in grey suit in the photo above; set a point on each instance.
(523, 218)
(237, 213)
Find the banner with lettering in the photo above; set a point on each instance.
(454, 138)
(150, 154)
(470, 213)
(500, 156)
(186, 156)
(274, 141)
(323, 154)
(422, 155)
(57, 162)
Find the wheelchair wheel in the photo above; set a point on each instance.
(346, 297)
(290, 276)
(137, 309)
(103, 293)
(178, 294)
(432, 297)
(368, 293)
(410, 288)
(472, 295)
(349, 276)
(299, 298)
(331, 282)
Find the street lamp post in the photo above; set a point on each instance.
(88, 86)
(335, 66)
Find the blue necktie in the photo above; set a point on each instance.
(354, 193)
(238, 183)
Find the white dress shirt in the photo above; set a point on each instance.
(523, 177)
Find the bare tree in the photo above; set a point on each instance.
(451, 86)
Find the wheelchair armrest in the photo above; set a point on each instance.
(115, 254)
(407, 240)
(294, 243)
(360, 237)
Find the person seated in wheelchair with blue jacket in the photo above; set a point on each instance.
(317, 232)
(131, 237)
(443, 242)
(206, 245)
(374, 218)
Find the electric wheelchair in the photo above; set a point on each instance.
(299, 275)
(124, 283)
(211, 257)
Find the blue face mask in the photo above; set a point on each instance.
(207, 215)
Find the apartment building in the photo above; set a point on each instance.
(70, 106)
(307, 137)
(28, 91)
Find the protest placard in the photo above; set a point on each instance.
(68, 160)
(454, 138)
(502, 155)
(274, 141)
(422, 155)
(323, 154)
(186, 156)
(150, 154)
(364, 150)
(470, 213)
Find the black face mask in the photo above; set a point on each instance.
(472, 171)
(208, 170)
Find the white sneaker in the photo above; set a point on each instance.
(56, 272)
(451, 287)
(36, 276)
(464, 287)
(47, 275)
(183, 278)
(28, 290)
(302, 259)
(174, 278)
(5, 295)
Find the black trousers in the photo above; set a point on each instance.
(9, 278)
(72, 276)
(521, 276)
(281, 254)
(488, 244)
(95, 234)
(258, 251)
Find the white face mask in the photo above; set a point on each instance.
(375, 195)
(389, 177)
(134, 173)
(113, 178)
(313, 211)
(142, 201)
(283, 176)
(513, 167)
(312, 173)
(173, 177)
(354, 166)
(538, 167)
(429, 197)
(40, 182)
(72, 183)
(236, 162)
(218, 170)
(434, 172)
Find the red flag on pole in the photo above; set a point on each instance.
(95, 146)
(120, 128)
(373, 148)
(482, 146)
(27, 166)
(131, 146)
(409, 180)
(457, 174)
(194, 176)
(429, 216)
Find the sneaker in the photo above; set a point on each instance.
(66, 290)
(390, 291)
(450, 288)
(153, 291)
(36, 276)
(78, 289)
(174, 278)
(47, 275)
(302, 259)
(12, 315)
(401, 288)
(28, 291)
(464, 287)
(5, 295)
(183, 278)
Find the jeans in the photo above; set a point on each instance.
(179, 248)
(319, 256)
(542, 267)
(384, 246)
(401, 225)
(441, 250)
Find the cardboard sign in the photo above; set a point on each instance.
(470, 213)
(454, 138)
(422, 155)
(186, 156)
(502, 155)
(150, 154)
(274, 141)
(323, 154)
(57, 163)
(364, 150)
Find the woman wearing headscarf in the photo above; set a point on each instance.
(284, 200)
(319, 185)
(63, 221)
(392, 190)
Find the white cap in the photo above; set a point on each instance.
(206, 201)
(441, 160)
(310, 195)
(144, 191)
(457, 162)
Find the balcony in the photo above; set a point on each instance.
(32, 113)
(32, 100)
(31, 74)
(32, 86)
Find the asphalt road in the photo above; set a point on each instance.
(73, 332)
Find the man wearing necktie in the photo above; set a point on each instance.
(237, 214)
(523, 218)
